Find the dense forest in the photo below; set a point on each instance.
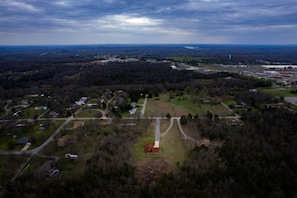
(74, 81)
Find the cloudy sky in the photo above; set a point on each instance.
(33, 22)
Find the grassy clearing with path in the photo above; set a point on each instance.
(172, 148)
(164, 124)
(164, 105)
(181, 105)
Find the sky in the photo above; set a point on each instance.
(51, 22)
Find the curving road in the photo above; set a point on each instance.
(184, 135)
(168, 129)
(36, 150)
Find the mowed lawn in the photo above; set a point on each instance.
(89, 113)
(179, 106)
(172, 147)
(161, 108)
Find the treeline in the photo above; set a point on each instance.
(59, 79)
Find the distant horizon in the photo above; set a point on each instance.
(146, 44)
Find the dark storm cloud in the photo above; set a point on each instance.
(196, 21)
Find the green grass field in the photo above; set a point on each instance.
(164, 105)
(185, 59)
(30, 112)
(171, 146)
(182, 105)
(278, 92)
(88, 113)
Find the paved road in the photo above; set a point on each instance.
(144, 106)
(157, 134)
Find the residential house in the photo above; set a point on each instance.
(24, 140)
(48, 169)
(65, 140)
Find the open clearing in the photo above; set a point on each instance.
(161, 108)
(172, 150)
(89, 113)
(183, 105)
(280, 92)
